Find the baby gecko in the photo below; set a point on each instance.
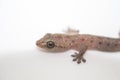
(79, 42)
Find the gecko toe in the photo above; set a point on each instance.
(83, 60)
(75, 59)
(74, 55)
(79, 58)
(79, 61)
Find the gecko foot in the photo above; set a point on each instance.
(71, 31)
(78, 57)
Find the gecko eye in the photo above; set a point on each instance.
(50, 44)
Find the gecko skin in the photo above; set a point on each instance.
(79, 42)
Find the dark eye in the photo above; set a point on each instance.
(50, 44)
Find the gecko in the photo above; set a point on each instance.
(72, 40)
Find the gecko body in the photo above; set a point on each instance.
(79, 42)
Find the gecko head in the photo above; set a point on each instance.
(52, 42)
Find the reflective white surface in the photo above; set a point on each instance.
(22, 22)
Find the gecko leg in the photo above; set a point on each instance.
(79, 56)
(71, 31)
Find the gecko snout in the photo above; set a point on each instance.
(40, 44)
(37, 43)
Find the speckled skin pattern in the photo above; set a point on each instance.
(79, 42)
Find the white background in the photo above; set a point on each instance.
(22, 22)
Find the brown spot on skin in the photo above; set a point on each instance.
(65, 40)
(82, 39)
(100, 43)
(91, 41)
(108, 44)
(73, 41)
(67, 36)
(116, 44)
(70, 44)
